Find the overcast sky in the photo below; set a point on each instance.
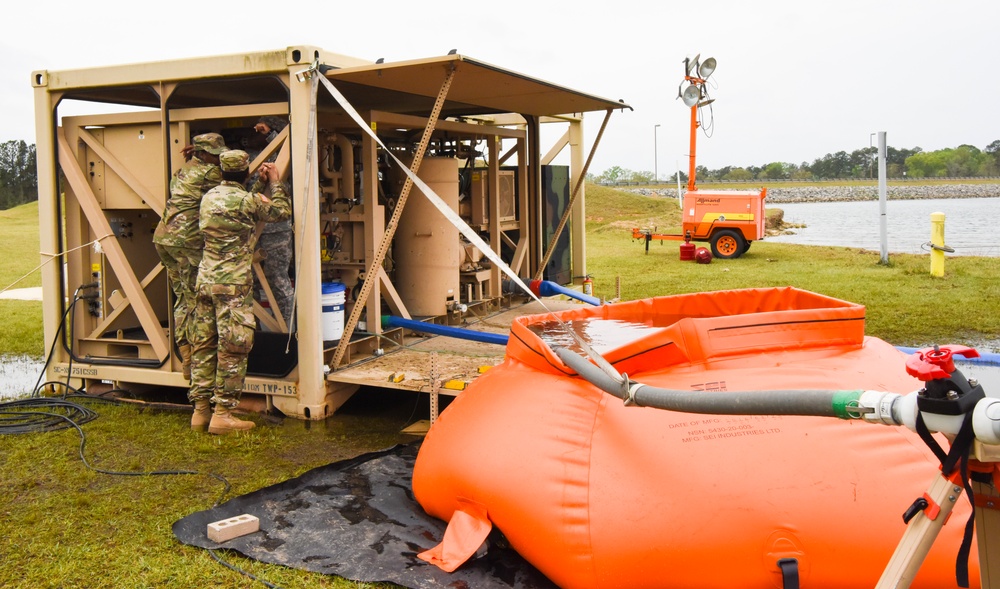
(795, 80)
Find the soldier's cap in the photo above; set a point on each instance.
(276, 124)
(213, 143)
(235, 160)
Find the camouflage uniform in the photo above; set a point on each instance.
(177, 238)
(276, 242)
(223, 330)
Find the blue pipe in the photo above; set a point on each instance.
(469, 334)
(547, 288)
(984, 359)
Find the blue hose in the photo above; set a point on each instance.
(984, 359)
(469, 334)
(547, 288)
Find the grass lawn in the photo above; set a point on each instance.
(21, 329)
(905, 305)
(65, 525)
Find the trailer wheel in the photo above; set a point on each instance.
(727, 244)
(747, 246)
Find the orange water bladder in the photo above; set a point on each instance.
(596, 494)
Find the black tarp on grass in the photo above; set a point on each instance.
(357, 519)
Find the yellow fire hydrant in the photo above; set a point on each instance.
(937, 244)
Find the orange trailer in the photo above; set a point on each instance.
(729, 220)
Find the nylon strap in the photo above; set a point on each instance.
(789, 573)
(958, 455)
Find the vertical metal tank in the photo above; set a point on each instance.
(426, 250)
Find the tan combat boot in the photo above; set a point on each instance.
(202, 415)
(185, 352)
(223, 422)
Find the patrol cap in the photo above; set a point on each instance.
(213, 143)
(235, 160)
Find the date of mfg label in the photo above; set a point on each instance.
(725, 428)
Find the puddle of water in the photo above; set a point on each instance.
(600, 334)
(18, 375)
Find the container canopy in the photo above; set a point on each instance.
(405, 87)
(478, 88)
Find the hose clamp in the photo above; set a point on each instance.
(631, 388)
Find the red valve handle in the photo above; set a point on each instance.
(932, 363)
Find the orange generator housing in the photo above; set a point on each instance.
(729, 220)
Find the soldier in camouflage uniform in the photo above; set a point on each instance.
(223, 330)
(276, 238)
(177, 238)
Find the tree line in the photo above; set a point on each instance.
(18, 174)
(964, 161)
(19, 178)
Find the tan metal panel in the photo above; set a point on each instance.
(119, 261)
(274, 61)
(480, 84)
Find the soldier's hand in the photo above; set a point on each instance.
(269, 172)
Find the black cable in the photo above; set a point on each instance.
(416, 405)
(74, 415)
(233, 567)
(67, 387)
(107, 361)
(24, 416)
(36, 415)
(52, 349)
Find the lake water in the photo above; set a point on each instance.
(970, 224)
(969, 228)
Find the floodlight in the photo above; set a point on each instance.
(706, 103)
(706, 68)
(691, 95)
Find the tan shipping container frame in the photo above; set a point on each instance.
(102, 179)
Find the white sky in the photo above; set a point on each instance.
(795, 80)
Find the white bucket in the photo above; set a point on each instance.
(332, 301)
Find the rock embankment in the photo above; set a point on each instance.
(866, 192)
(900, 192)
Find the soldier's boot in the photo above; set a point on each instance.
(185, 351)
(202, 415)
(223, 422)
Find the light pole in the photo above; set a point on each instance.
(656, 161)
(872, 156)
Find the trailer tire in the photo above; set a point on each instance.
(727, 244)
(747, 246)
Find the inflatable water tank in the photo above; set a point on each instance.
(596, 494)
